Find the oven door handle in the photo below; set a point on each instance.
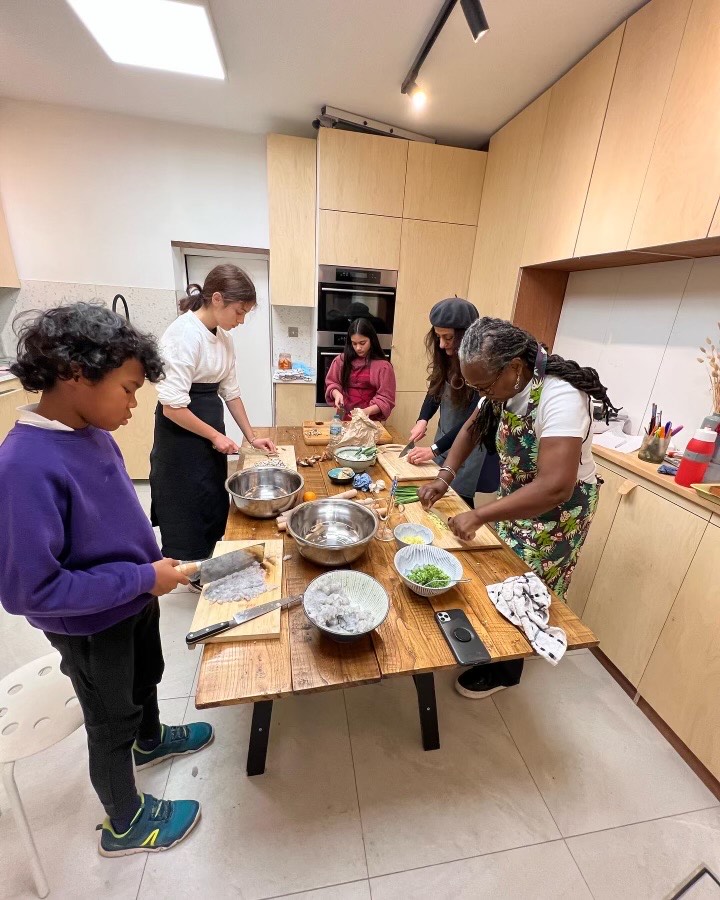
(388, 293)
(323, 353)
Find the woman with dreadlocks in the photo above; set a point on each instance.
(535, 410)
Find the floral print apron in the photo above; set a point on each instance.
(551, 542)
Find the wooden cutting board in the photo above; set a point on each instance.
(389, 459)
(286, 453)
(451, 505)
(262, 628)
(322, 438)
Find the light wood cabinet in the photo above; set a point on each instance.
(136, 438)
(646, 557)
(292, 193)
(405, 415)
(362, 173)
(715, 227)
(592, 549)
(682, 679)
(507, 191)
(351, 239)
(435, 260)
(443, 184)
(8, 272)
(578, 102)
(682, 184)
(294, 403)
(649, 50)
(9, 403)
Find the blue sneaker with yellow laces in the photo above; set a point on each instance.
(176, 740)
(158, 825)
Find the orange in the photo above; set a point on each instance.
(309, 495)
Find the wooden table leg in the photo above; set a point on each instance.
(259, 735)
(425, 687)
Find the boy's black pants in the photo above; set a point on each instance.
(115, 674)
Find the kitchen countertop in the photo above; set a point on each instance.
(649, 471)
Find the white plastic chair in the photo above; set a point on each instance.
(38, 708)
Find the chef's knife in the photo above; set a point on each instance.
(247, 615)
(220, 566)
(406, 449)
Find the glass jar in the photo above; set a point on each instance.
(285, 361)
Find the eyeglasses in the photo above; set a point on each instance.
(485, 389)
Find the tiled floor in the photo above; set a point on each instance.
(559, 788)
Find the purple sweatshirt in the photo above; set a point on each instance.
(76, 547)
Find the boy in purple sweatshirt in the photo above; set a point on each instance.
(80, 561)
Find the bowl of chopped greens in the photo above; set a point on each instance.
(359, 459)
(428, 571)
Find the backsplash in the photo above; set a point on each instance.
(302, 347)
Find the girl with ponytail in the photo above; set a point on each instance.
(535, 412)
(188, 464)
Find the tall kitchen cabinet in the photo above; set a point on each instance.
(292, 189)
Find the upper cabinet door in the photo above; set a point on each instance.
(682, 184)
(578, 103)
(507, 190)
(435, 260)
(8, 272)
(351, 239)
(649, 51)
(362, 173)
(292, 191)
(443, 184)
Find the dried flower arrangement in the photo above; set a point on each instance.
(711, 358)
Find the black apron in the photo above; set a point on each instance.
(187, 480)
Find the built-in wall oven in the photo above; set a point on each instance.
(346, 294)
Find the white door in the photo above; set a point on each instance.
(253, 339)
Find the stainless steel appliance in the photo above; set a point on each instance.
(345, 294)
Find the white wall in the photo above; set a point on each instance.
(95, 199)
(641, 327)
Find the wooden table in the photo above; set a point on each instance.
(409, 642)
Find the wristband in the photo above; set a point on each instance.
(448, 469)
(446, 483)
(434, 449)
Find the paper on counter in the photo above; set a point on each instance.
(622, 443)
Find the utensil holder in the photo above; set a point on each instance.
(654, 449)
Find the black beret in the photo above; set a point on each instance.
(453, 313)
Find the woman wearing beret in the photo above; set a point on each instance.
(456, 401)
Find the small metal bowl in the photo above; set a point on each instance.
(336, 478)
(264, 492)
(406, 530)
(357, 465)
(358, 586)
(331, 532)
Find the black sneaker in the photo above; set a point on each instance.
(478, 682)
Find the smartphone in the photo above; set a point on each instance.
(466, 646)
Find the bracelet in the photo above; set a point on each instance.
(252, 441)
(448, 469)
(447, 483)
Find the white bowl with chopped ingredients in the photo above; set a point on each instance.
(408, 535)
(346, 605)
(428, 571)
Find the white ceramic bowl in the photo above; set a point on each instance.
(358, 586)
(408, 529)
(409, 557)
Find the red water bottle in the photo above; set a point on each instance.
(696, 458)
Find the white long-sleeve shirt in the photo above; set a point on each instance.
(194, 355)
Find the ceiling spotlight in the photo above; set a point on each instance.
(475, 17)
(417, 95)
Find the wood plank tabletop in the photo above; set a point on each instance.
(303, 660)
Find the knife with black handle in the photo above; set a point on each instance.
(247, 615)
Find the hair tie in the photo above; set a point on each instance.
(193, 291)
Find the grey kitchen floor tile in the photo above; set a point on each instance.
(596, 759)
(650, 860)
(295, 828)
(474, 795)
(176, 614)
(355, 890)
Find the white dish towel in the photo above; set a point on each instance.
(524, 600)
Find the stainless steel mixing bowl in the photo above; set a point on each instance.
(264, 492)
(332, 532)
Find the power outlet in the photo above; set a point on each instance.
(292, 331)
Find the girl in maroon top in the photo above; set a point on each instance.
(361, 377)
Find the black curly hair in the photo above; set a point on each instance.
(81, 338)
(497, 343)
